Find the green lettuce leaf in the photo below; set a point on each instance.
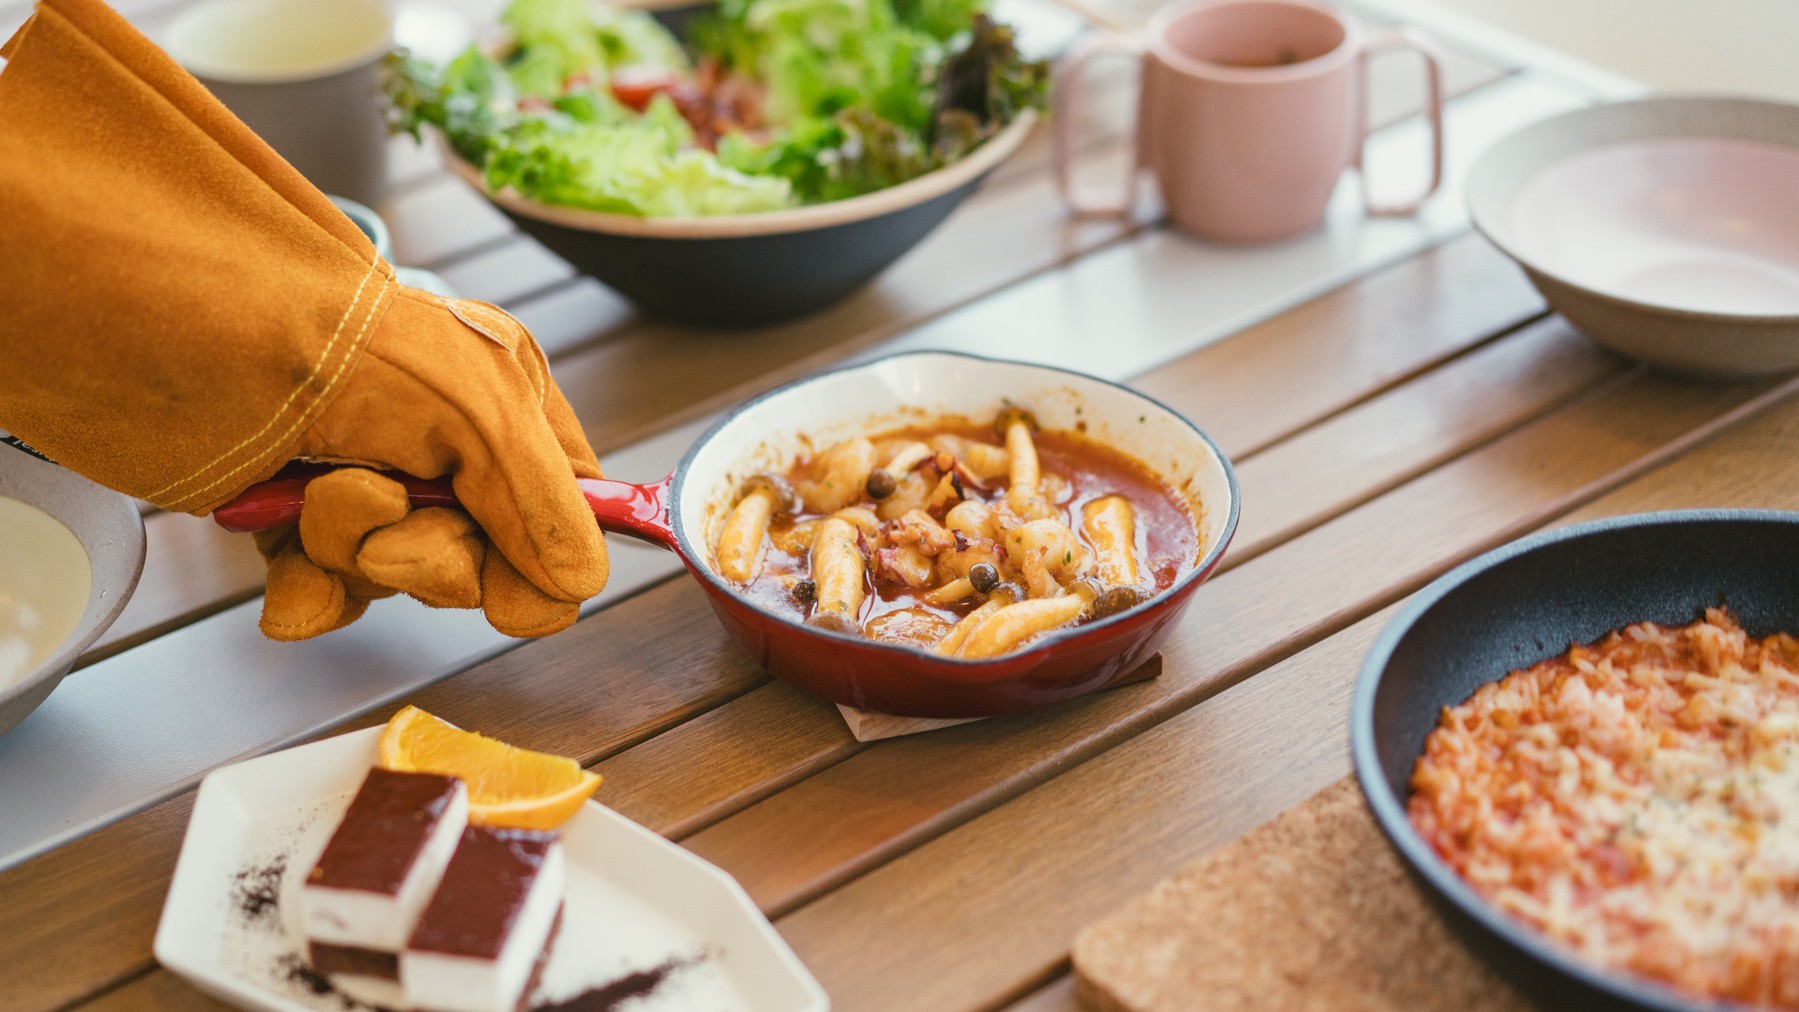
(470, 99)
(847, 146)
(641, 165)
(559, 41)
(860, 95)
(982, 87)
(818, 57)
(941, 19)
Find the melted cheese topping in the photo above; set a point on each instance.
(1638, 801)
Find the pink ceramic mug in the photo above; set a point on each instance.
(1249, 112)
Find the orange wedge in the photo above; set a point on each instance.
(507, 786)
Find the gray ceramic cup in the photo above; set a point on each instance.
(303, 75)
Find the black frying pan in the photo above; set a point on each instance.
(1518, 605)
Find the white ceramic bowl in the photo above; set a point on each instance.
(111, 534)
(1665, 228)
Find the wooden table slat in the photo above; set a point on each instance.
(509, 275)
(1010, 230)
(192, 568)
(985, 870)
(1404, 322)
(1158, 294)
(158, 991)
(755, 745)
(1294, 485)
(410, 163)
(1055, 996)
(568, 318)
(60, 945)
(440, 220)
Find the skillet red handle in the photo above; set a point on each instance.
(621, 507)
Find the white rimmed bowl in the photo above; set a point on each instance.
(750, 269)
(111, 534)
(1665, 228)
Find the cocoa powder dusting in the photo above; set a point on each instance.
(294, 970)
(609, 996)
(256, 890)
(299, 973)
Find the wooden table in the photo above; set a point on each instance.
(1396, 400)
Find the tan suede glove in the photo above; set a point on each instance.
(483, 409)
(359, 540)
(185, 314)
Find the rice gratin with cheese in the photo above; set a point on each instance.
(1637, 800)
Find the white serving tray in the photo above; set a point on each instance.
(634, 901)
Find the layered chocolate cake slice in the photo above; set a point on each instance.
(481, 944)
(363, 899)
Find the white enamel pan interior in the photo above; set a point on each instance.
(808, 416)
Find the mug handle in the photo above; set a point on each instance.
(1406, 38)
(1065, 114)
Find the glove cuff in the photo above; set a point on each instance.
(284, 411)
(179, 303)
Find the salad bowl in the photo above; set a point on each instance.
(747, 270)
(684, 512)
(760, 165)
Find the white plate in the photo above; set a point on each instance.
(634, 901)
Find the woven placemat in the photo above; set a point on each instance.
(1310, 911)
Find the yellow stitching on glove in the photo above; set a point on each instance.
(323, 356)
(306, 416)
(343, 366)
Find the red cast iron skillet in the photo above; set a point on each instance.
(1520, 604)
(682, 513)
